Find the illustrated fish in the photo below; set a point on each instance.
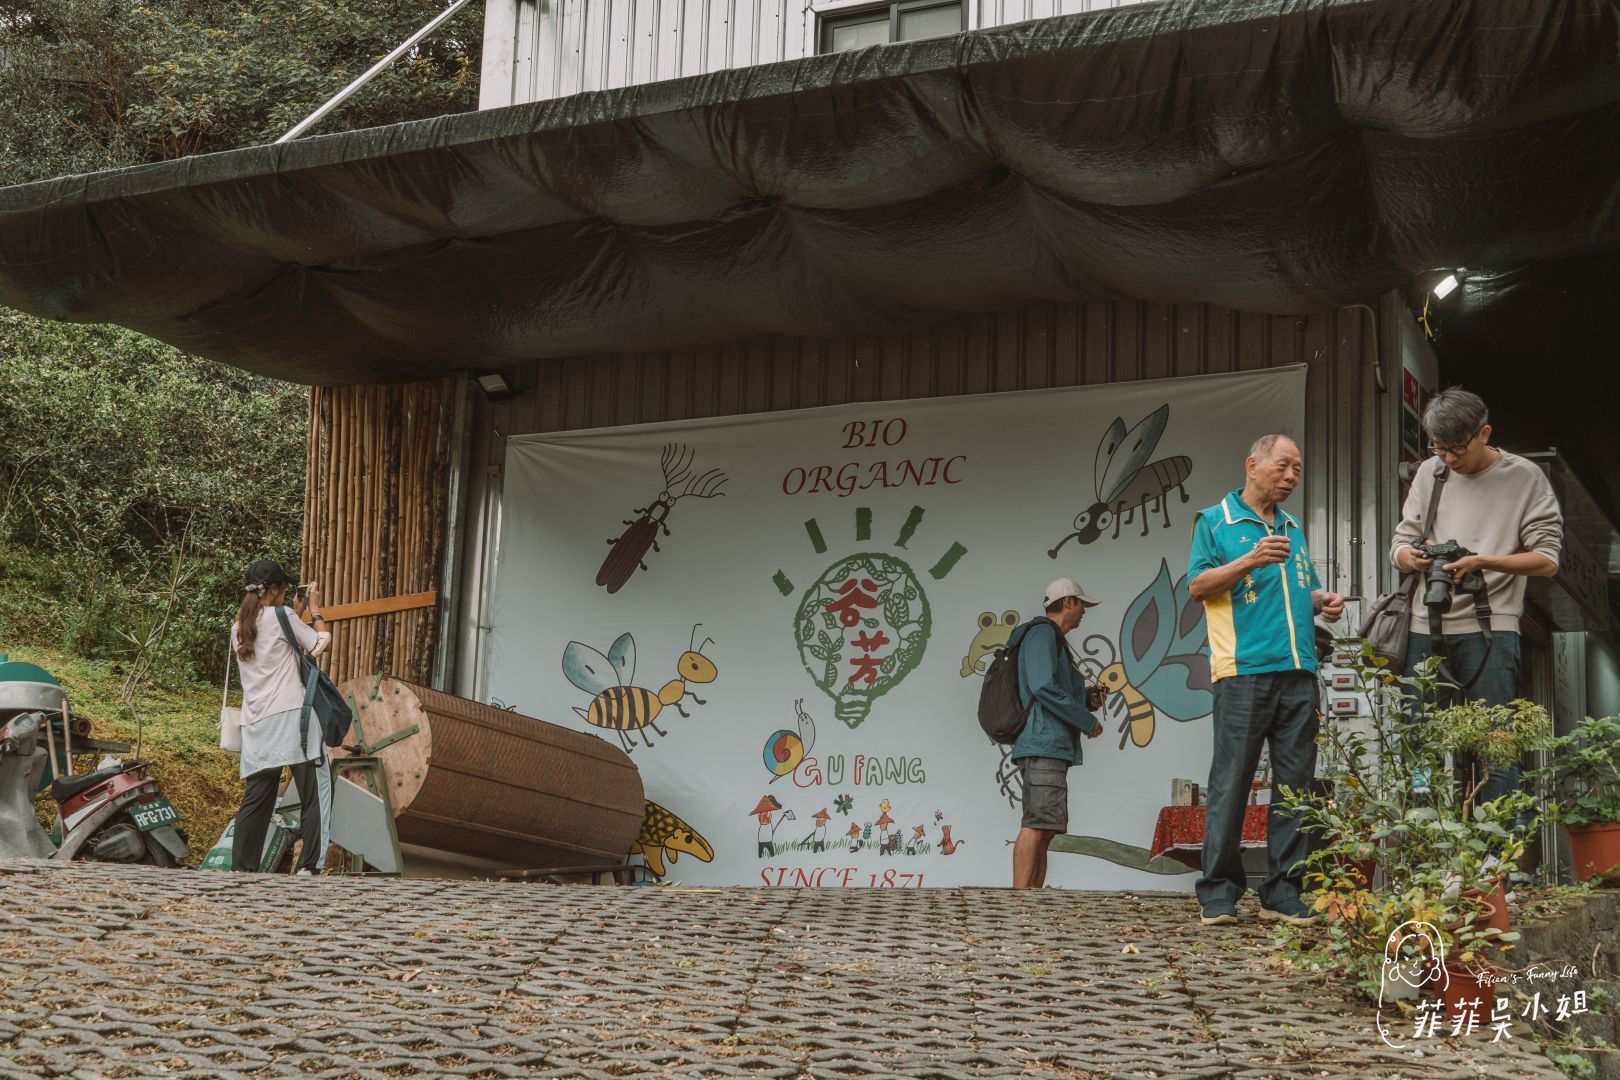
(663, 834)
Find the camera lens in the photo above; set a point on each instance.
(1438, 588)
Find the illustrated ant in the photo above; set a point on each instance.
(619, 705)
(630, 548)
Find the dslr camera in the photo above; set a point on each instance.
(1438, 582)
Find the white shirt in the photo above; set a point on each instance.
(270, 680)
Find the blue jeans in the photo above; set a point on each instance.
(1497, 685)
(1278, 708)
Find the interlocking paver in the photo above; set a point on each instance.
(110, 971)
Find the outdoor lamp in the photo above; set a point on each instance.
(495, 386)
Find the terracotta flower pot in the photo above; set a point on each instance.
(1363, 870)
(1496, 913)
(1462, 984)
(1594, 849)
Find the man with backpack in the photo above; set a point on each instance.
(1057, 712)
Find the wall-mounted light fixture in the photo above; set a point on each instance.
(495, 386)
(1439, 291)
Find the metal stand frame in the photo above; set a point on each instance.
(376, 782)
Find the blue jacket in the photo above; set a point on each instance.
(1265, 623)
(1059, 714)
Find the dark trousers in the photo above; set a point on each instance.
(1497, 685)
(259, 793)
(1277, 708)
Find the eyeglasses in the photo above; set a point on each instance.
(1454, 451)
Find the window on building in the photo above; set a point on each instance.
(908, 20)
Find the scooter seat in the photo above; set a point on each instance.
(65, 787)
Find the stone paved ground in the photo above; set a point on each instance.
(124, 971)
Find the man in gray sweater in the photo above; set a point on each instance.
(1495, 504)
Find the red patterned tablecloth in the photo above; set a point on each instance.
(1179, 832)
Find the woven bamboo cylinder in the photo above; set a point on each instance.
(476, 780)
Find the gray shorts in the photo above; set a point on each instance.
(1046, 793)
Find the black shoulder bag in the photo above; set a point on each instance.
(321, 696)
(1387, 627)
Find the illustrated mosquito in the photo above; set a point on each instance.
(1126, 482)
(629, 549)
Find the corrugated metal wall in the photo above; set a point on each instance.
(540, 49)
(1351, 489)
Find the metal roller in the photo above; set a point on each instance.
(468, 778)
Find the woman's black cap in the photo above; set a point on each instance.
(268, 572)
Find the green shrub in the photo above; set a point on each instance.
(123, 458)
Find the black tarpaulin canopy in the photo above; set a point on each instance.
(1268, 155)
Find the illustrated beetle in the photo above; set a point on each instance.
(627, 551)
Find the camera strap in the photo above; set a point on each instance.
(1410, 581)
(1482, 603)
(1482, 612)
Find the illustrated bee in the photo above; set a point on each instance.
(1126, 482)
(1163, 661)
(622, 707)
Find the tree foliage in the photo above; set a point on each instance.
(122, 455)
(95, 84)
(126, 466)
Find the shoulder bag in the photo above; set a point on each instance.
(230, 716)
(1387, 627)
(321, 696)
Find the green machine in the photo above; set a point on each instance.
(26, 687)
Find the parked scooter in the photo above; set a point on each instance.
(115, 814)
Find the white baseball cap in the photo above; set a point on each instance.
(1067, 587)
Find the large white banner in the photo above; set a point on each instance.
(785, 618)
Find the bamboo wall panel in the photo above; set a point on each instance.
(374, 517)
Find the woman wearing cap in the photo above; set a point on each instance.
(274, 732)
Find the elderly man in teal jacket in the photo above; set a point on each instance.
(1059, 713)
(1252, 571)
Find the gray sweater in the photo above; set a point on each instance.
(1504, 510)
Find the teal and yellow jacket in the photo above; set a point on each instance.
(1266, 622)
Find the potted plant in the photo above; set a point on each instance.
(1495, 736)
(1386, 803)
(1584, 768)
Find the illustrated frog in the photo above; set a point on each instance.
(993, 634)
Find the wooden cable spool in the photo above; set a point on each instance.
(472, 779)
